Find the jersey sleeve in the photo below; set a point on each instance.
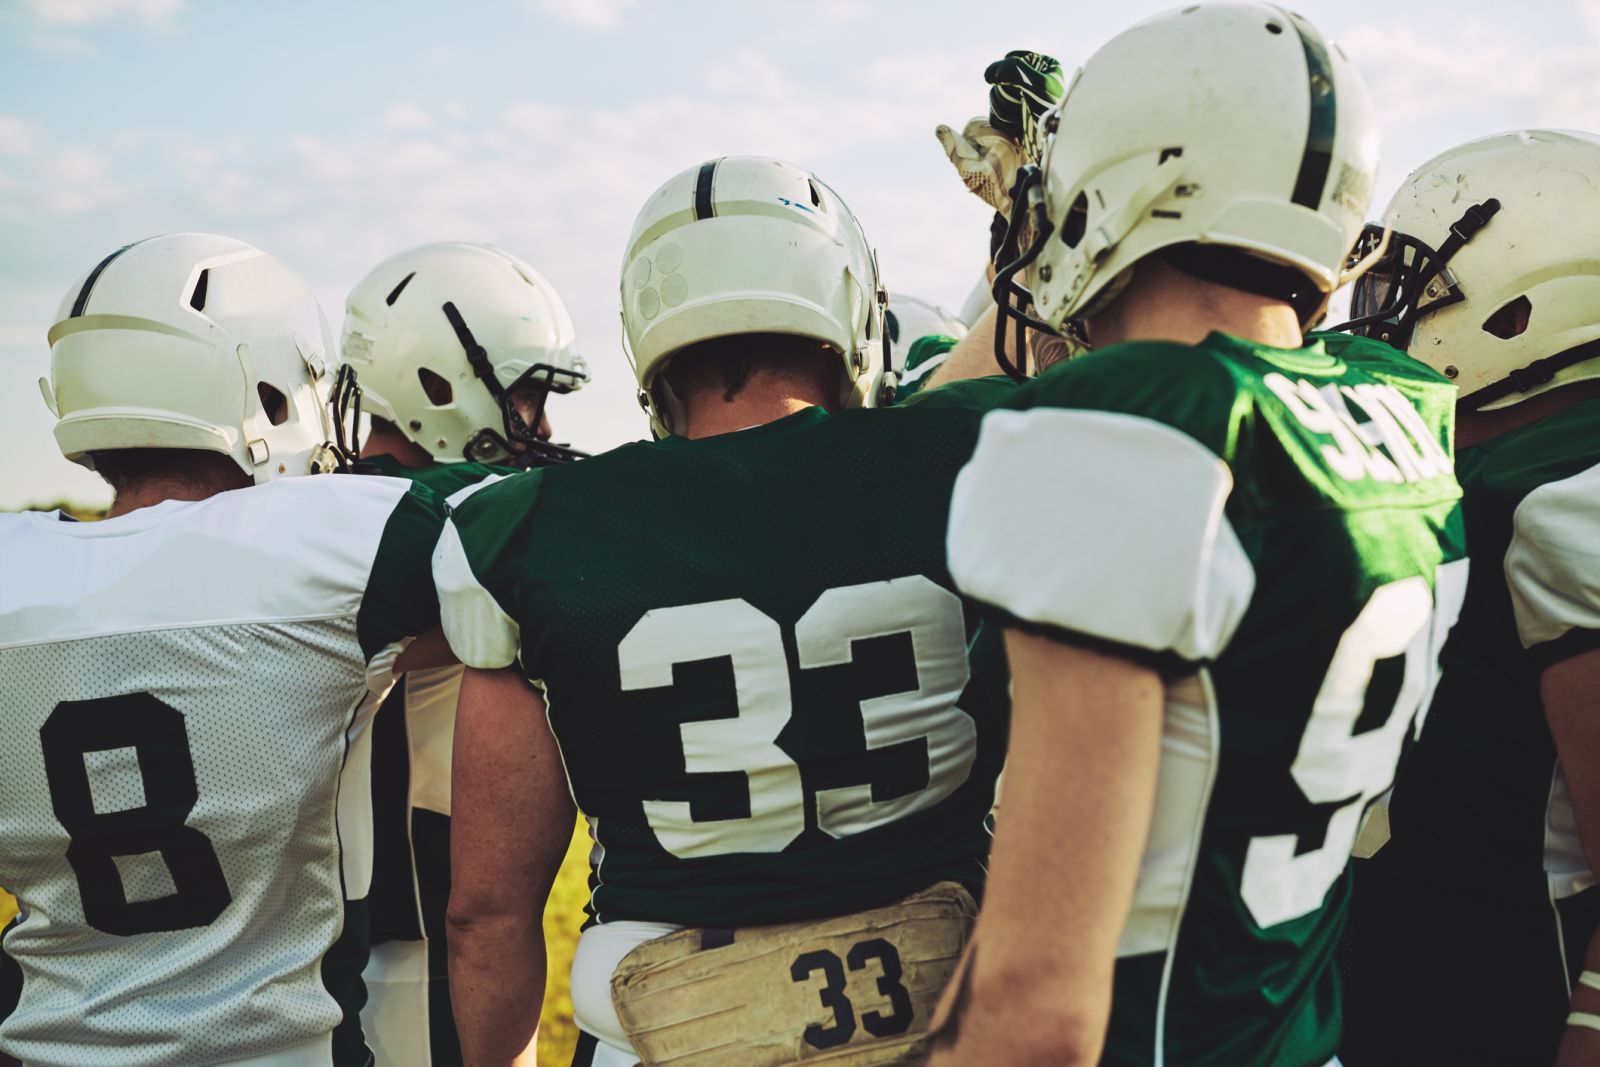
(399, 602)
(924, 356)
(1553, 567)
(471, 571)
(1091, 522)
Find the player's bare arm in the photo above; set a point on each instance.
(1086, 739)
(429, 650)
(512, 821)
(1571, 694)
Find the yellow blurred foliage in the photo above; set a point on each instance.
(8, 908)
(563, 915)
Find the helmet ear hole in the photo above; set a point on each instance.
(1511, 320)
(438, 390)
(1076, 223)
(273, 403)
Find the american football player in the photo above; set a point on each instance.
(1481, 905)
(921, 335)
(1225, 554)
(185, 820)
(753, 663)
(458, 347)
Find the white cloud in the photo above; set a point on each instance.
(18, 137)
(589, 14)
(840, 10)
(407, 117)
(89, 12)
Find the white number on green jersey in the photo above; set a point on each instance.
(1336, 764)
(1408, 452)
(825, 636)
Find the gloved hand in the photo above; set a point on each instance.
(986, 159)
(1022, 87)
(989, 150)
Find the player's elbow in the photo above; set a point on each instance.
(480, 913)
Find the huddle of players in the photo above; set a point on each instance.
(1221, 557)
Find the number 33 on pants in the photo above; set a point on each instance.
(861, 987)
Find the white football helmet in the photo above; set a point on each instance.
(440, 335)
(746, 244)
(1237, 126)
(1492, 274)
(195, 341)
(909, 318)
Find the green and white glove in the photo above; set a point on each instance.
(990, 149)
(1022, 87)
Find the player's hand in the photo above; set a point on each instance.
(1022, 87)
(986, 159)
(989, 150)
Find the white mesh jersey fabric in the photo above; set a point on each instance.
(181, 700)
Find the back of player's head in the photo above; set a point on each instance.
(443, 334)
(195, 342)
(1492, 274)
(1232, 139)
(748, 245)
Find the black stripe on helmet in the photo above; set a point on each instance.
(1320, 127)
(94, 276)
(703, 208)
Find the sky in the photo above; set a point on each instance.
(333, 135)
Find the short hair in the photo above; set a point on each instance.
(727, 363)
(125, 468)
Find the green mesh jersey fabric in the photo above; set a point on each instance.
(1268, 528)
(770, 703)
(1478, 873)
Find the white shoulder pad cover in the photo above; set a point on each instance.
(1553, 564)
(1103, 524)
(480, 633)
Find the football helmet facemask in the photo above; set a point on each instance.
(1490, 276)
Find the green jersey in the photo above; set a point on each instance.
(1483, 873)
(407, 1017)
(1278, 532)
(755, 665)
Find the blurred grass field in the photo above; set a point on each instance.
(562, 917)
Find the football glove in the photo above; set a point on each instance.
(1022, 87)
(990, 149)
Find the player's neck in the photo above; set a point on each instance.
(387, 440)
(710, 412)
(150, 491)
(1473, 427)
(1162, 303)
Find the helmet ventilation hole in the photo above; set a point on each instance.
(1511, 320)
(816, 194)
(1076, 223)
(1274, 27)
(273, 403)
(197, 299)
(438, 390)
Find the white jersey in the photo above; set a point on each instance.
(186, 809)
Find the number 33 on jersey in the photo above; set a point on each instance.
(771, 703)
